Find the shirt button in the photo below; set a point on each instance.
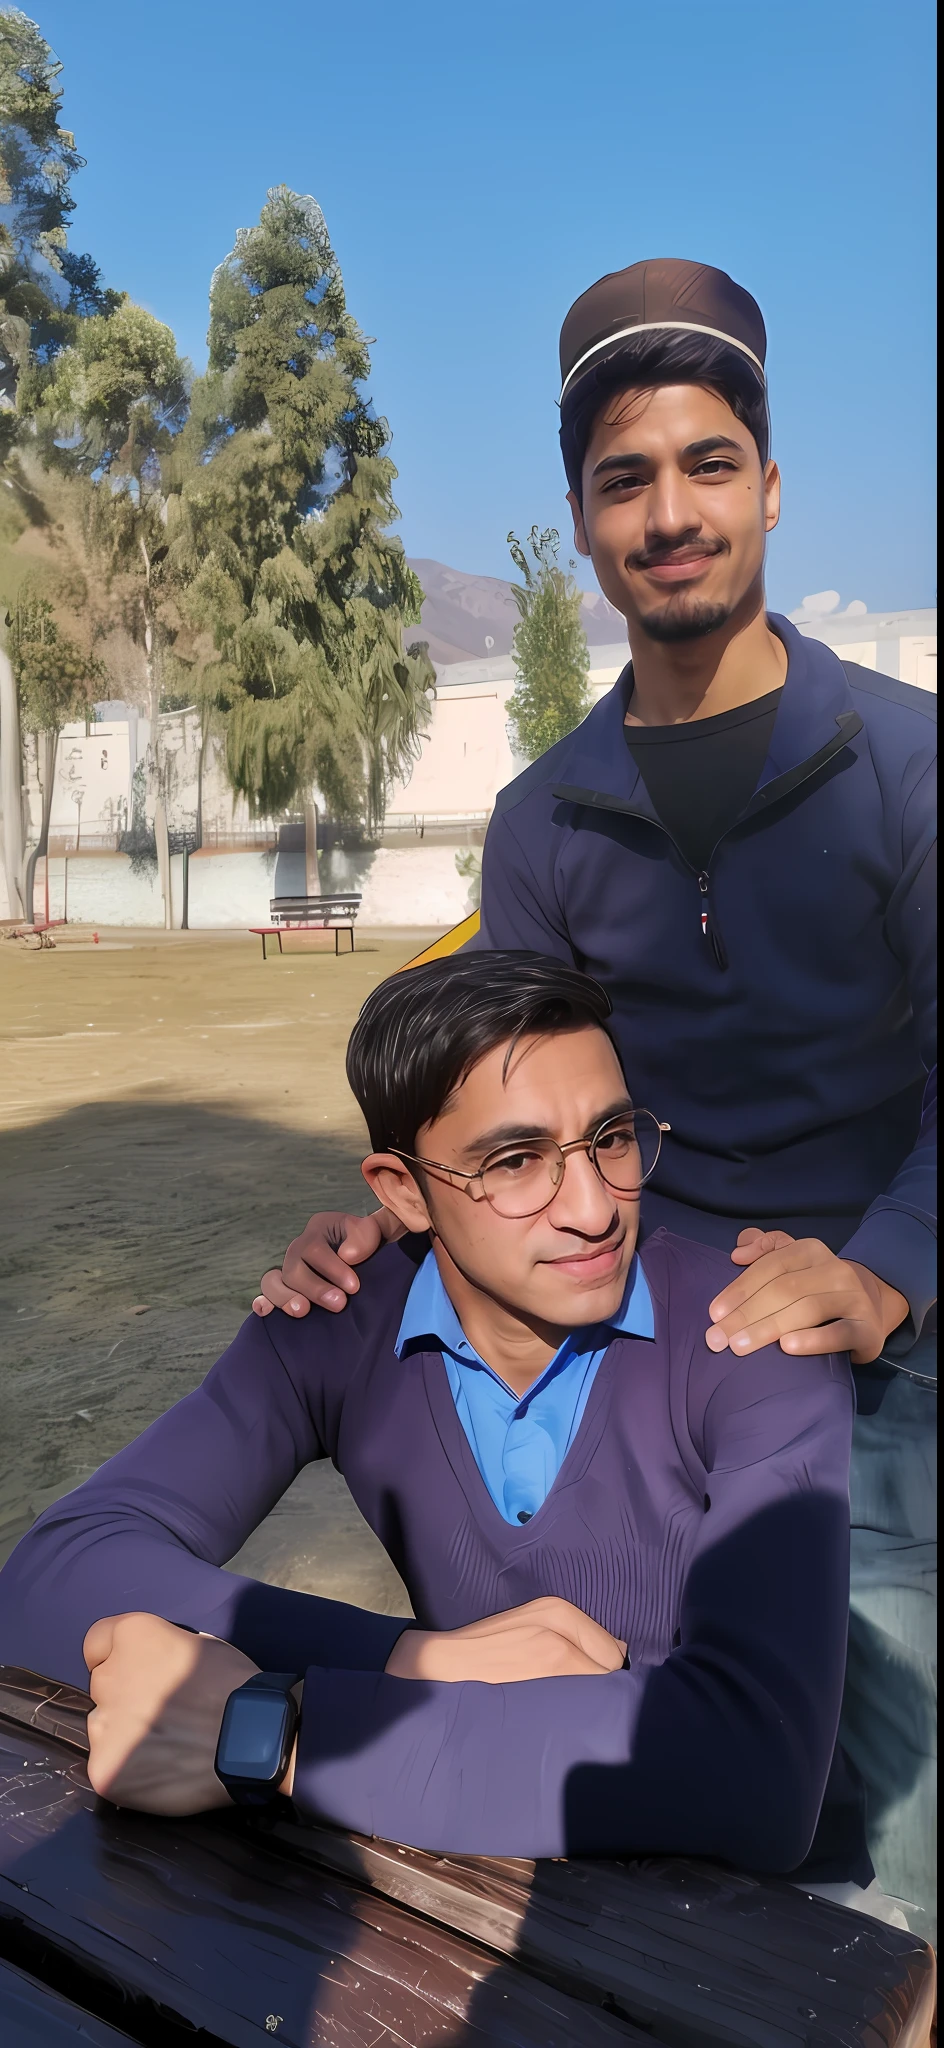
(524, 1514)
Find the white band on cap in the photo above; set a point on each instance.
(651, 327)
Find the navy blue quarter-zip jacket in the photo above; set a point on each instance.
(777, 1009)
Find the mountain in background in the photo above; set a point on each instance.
(463, 613)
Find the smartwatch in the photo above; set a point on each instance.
(260, 1723)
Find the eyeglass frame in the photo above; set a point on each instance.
(572, 1145)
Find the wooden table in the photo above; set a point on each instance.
(237, 1929)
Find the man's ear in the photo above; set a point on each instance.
(771, 497)
(581, 542)
(390, 1179)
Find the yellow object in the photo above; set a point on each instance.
(449, 943)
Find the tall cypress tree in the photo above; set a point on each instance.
(279, 531)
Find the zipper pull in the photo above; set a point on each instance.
(708, 931)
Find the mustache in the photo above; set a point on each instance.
(684, 548)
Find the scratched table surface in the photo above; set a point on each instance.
(231, 1929)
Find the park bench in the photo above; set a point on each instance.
(233, 1928)
(308, 914)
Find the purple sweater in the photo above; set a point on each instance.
(701, 1514)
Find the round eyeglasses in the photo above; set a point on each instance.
(522, 1179)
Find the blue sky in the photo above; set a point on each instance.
(480, 166)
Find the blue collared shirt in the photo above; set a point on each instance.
(519, 1445)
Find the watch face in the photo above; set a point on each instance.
(254, 1729)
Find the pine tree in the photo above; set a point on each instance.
(43, 286)
(549, 647)
(280, 529)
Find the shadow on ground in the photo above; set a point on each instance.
(134, 1238)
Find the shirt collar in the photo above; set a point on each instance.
(815, 710)
(430, 1320)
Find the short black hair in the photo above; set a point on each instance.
(662, 359)
(421, 1032)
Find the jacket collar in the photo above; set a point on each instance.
(815, 719)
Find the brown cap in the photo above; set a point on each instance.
(668, 293)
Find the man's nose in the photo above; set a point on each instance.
(583, 1201)
(670, 513)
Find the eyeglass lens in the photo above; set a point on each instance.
(525, 1179)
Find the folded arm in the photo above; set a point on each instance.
(723, 1750)
(153, 1527)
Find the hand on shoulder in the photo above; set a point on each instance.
(317, 1269)
(796, 1293)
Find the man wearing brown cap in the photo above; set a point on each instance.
(738, 842)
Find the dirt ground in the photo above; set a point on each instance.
(171, 1110)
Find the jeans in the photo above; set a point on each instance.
(888, 1724)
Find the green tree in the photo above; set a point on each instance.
(58, 613)
(279, 532)
(38, 157)
(549, 646)
(44, 291)
(56, 682)
(364, 594)
(110, 412)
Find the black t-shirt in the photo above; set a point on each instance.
(701, 776)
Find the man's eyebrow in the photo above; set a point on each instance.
(514, 1134)
(709, 445)
(692, 453)
(606, 462)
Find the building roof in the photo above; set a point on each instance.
(837, 630)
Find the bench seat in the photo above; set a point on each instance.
(232, 1927)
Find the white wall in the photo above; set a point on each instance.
(412, 885)
(465, 755)
(465, 760)
(918, 661)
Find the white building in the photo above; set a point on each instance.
(434, 818)
(466, 757)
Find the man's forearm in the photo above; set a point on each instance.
(81, 1562)
(897, 1238)
(900, 1250)
(723, 1749)
(153, 1528)
(603, 1766)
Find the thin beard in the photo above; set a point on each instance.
(693, 624)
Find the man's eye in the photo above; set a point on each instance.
(714, 467)
(628, 482)
(616, 1144)
(515, 1163)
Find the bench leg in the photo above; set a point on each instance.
(280, 941)
(262, 937)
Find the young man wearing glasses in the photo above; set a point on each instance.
(628, 1553)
